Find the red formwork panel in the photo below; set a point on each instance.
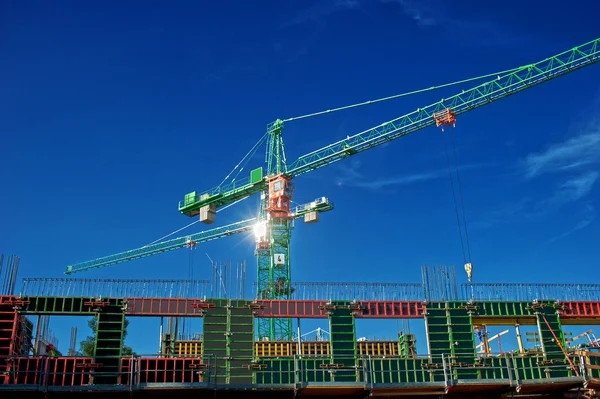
(581, 309)
(390, 309)
(291, 308)
(8, 327)
(52, 371)
(162, 370)
(7, 299)
(317, 309)
(69, 371)
(163, 307)
(25, 370)
(127, 368)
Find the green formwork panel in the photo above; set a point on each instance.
(407, 345)
(110, 324)
(311, 370)
(289, 371)
(438, 331)
(399, 370)
(450, 332)
(537, 367)
(493, 368)
(503, 309)
(240, 341)
(62, 305)
(275, 371)
(550, 331)
(214, 343)
(343, 341)
(529, 368)
(229, 340)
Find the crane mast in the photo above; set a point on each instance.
(273, 248)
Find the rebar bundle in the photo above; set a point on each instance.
(8, 274)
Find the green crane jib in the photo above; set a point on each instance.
(318, 205)
(511, 83)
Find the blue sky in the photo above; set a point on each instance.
(110, 113)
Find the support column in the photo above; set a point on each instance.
(15, 334)
(343, 340)
(214, 343)
(240, 341)
(519, 338)
(8, 329)
(110, 326)
(228, 345)
(407, 345)
(552, 340)
(450, 332)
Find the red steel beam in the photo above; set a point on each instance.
(273, 308)
(188, 307)
(391, 309)
(316, 309)
(194, 307)
(581, 309)
(291, 308)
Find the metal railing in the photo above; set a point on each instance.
(114, 288)
(360, 291)
(135, 372)
(353, 291)
(530, 292)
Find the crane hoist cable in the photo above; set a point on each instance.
(409, 93)
(466, 251)
(460, 194)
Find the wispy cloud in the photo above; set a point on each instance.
(571, 190)
(578, 158)
(436, 14)
(589, 214)
(571, 154)
(320, 10)
(417, 10)
(574, 162)
(506, 213)
(352, 177)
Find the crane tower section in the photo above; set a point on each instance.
(281, 190)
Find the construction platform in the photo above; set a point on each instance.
(228, 361)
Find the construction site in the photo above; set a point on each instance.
(453, 339)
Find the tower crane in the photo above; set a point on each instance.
(275, 185)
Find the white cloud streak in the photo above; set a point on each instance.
(570, 191)
(319, 10)
(587, 218)
(416, 10)
(438, 14)
(572, 154)
(353, 178)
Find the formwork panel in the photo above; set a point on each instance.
(188, 307)
(275, 371)
(291, 308)
(397, 370)
(168, 370)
